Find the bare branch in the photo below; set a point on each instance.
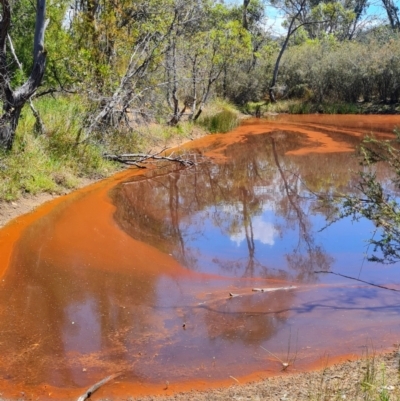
(96, 386)
(136, 159)
(357, 279)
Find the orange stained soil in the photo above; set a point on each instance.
(321, 132)
(82, 298)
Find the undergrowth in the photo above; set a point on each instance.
(296, 106)
(52, 162)
(221, 118)
(56, 161)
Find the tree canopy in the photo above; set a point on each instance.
(139, 61)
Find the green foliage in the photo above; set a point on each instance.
(300, 108)
(337, 20)
(222, 122)
(52, 162)
(254, 108)
(339, 108)
(328, 71)
(377, 200)
(57, 43)
(93, 49)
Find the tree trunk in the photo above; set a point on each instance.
(245, 22)
(290, 32)
(392, 13)
(14, 100)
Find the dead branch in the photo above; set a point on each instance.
(357, 279)
(137, 159)
(39, 125)
(292, 287)
(96, 386)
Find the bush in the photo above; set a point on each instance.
(343, 72)
(52, 162)
(221, 122)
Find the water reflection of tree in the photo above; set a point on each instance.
(167, 211)
(246, 318)
(162, 210)
(314, 258)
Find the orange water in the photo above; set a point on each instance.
(118, 277)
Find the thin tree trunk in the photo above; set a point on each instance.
(290, 32)
(39, 125)
(392, 13)
(194, 87)
(283, 48)
(14, 100)
(245, 22)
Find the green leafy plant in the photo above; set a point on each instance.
(377, 199)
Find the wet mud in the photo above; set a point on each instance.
(152, 275)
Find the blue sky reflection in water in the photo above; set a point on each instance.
(257, 215)
(106, 287)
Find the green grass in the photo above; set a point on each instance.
(252, 108)
(300, 108)
(222, 122)
(52, 162)
(296, 106)
(56, 161)
(220, 116)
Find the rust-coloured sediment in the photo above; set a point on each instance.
(99, 270)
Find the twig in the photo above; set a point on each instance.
(96, 386)
(285, 365)
(357, 279)
(269, 352)
(136, 158)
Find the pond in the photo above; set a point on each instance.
(198, 276)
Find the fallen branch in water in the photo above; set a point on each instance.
(96, 386)
(357, 279)
(285, 365)
(292, 287)
(136, 159)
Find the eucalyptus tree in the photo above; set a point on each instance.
(198, 56)
(293, 10)
(316, 20)
(14, 98)
(120, 63)
(392, 11)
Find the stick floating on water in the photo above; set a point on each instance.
(292, 287)
(96, 386)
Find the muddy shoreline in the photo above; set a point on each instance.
(352, 380)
